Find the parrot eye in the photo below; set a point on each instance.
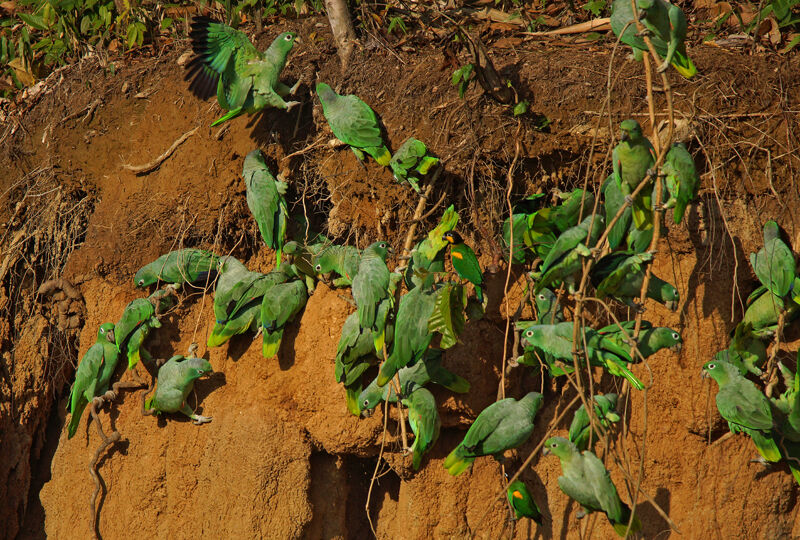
(102, 330)
(141, 282)
(712, 366)
(366, 403)
(675, 335)
(383, 244)
(289, 37)
(541, 297)
(318, 268)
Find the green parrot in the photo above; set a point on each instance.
(411, 336)
(564, 258)
(744, 406)
(180, 266)
(175, 381)
(503, 425)
(651, 339)
(354, 123)
(301, 258)
(745, 351)
(639, 241)
(554, 341)
(548, 310)
(680, 177)
(280, 305)
(232, 277)
(371, 283)
(614, 200)
(631, 159)
(412, 161)
(763, 311)
(565, 215)
(428, 368)
(621, 274)
(522, 502)
(774, 264)
(585, 479)
(265, 199)
(227, 63)
(427, 257)
(465, 263)
(666, 24)
(605, 412)
(93, 375)
(425, 423)
(342, 260)
(517, 227)
(138, 318)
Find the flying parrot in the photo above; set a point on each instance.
(93, 375)
(522, 502)
(175, 380)
(666, 24)
(265, 201)
(227, 63)
(774, 264)
(465, 263)
(354, 123)
(280, 304)
(412, 161)
(425, 423)
(180, 266)
(621, 274)
(503, 425)
(605, 412)
(585, 479)
(744, 406)
(631, 159)
(680, 177)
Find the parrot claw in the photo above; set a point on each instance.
(294, 88)
(652, 172)
(628, 200)
(663, 67)
(192, 352)
(198, 419)
(581, 514)
(760, 459)
(512, 362)
(260, 331)
(291, 104)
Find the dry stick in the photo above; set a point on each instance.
(147, 167)
(96, 403)
(771, 367)
(396, 385)
(412, 231)
(377, 465)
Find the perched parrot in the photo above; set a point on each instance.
(371, 284)
(354, 123)
(763, 311)
(280, 304)
(745, 351)
(586, 480)
(227, 63)
(342, 260)
(412, 161)
(416, 374)
(238, 289)
(522, 502)
(564, 258)
(265, 201)
(576, 203)
(180, 266)
(301, 258)
(175, 380)
(614, 200)
(503, 425)
(774, 264)
(425, 423)
(427, 257)
(632, 158)
(744, 406)
(411, 335)
(651, 339)
(465, 263)
(93, 375)
(138, 318)
(555, 341)
(548, 310)
(680, 177)
(666, 25)
(605, 412)
(621, 274)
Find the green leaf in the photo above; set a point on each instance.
(448, 314)
(789, 46)
(595, 6)
(34, 21)
(521, 107)
(86, 24)
(45, 42)
(166, 23)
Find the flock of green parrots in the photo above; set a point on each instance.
(396, 331)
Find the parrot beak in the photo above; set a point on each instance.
(367, 413)
(624, 136)
(703, 374)
(545, 451)
(677, 347)
(110, 336)
(672, 305)
(298, 40)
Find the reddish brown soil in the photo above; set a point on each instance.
(283, 458)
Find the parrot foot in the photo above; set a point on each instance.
(260, 331)
(294, 87)
(581, 513)
(198, 419)
(760, 459)
(628, 200)
(512, 362)
(291, 104)
(192, 352)
(652, 173)
(663, 67)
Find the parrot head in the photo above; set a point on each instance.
(369, 399)
(670, 296)
(382, 248)
(559, 447)
(631, 130)
(718, 370)
(106, 332)
(286, 41)
(199, 367)
(145, 277)
(452, 237)
(673, 339)
(291, 250)
(527, 335)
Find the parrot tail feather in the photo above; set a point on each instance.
(133, 359)
(272, 342)
(683, 65)
(765, 444)
(381, 155)
(621, 528)
(352, 393)
(456, 464)
(218, 336)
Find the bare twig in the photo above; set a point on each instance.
(147, 167)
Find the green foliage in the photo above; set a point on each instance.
(448, 314)
(596, 7)
(462, 77)
(397, 23)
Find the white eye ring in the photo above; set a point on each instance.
(289, 37)
(711, 366)
(675, 335)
